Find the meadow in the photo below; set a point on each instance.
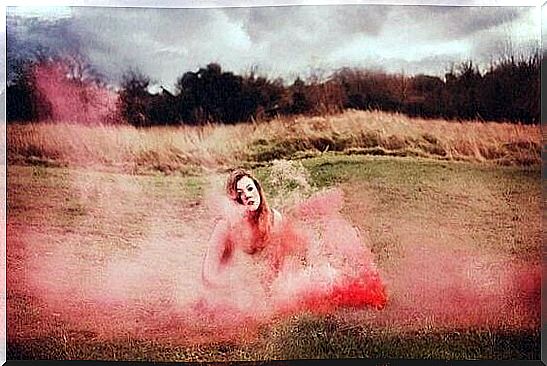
(190, 150)
(451, 211)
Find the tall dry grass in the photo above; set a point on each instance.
(217, 146)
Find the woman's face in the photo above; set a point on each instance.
(248, 193)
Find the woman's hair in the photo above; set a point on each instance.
(262, 216)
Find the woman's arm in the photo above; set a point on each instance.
(218, 255)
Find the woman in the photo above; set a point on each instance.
(253, 228)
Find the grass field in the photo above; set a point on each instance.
(463, 211)
(194, 150)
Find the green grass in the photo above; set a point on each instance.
(314, 337)
(303, 337)
(493, 209)
(497, 208)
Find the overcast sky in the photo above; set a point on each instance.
(281, 41)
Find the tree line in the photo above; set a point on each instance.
(509, 91)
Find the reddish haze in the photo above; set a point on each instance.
(74, 101)
(156, 291)
(458, 288)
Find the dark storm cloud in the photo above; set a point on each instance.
(159, 42)
(285, 41)
(279, 39)
(32, 38)
(464, 21)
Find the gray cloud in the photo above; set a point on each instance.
(318, 20)
(439, 24)
(29, 38)
(457, 22)
(26, 36)
(286, 41)
(159, 42)
(299, 37)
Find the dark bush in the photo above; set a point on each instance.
(24, 100)
(508, 91)
(135, 98)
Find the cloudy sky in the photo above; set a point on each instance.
(285, 41)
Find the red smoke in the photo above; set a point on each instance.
(340, 271)
(155, 291)
(74, 100)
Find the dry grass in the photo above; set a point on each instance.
(186, 148)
